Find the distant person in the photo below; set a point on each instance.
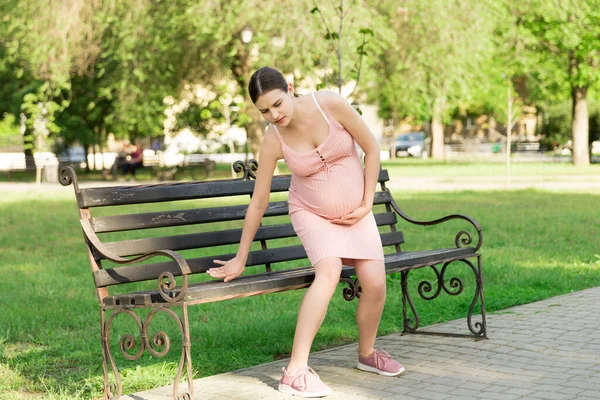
(155, 145)
(134, 161)
(120, 161)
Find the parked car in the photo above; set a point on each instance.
(596, 148)
(411, 144)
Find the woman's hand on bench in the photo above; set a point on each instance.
(230, 269)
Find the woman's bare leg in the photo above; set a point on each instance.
(371, 275)
(313, 309)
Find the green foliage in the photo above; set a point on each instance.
(347, 66)
(8, 126)
(438, 59)
(557, 125)
(556, 122)
(563, 39)
(108, 66)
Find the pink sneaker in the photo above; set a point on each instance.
(381, 363)
(305, 384)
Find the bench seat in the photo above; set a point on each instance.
(282, 280)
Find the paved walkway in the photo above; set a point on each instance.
(544, 350)
(477, 183)
(405, 183)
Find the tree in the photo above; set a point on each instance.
(218, 26)
(439, 61)
(336, 24)
(564, 35)
(99, 64)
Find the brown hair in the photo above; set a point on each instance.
(264, 80)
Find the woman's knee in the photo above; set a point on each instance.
(372, 279)
(327, 272)
(375, 289)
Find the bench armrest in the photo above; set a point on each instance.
(166, 280)
(463, 238)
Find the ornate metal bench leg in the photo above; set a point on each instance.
(483, 324)
(477, 328)
(185, 360)
(105, 357)
(159, 345)
(406, 321)
(127, 342)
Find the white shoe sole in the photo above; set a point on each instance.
(367, 368)
(290, 390)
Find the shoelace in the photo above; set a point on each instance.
(381, 358)
(304, 377)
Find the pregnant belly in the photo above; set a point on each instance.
(330, 194)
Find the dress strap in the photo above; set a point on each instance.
(276, 133)
(319, 107)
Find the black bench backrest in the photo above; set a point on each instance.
(112, 221)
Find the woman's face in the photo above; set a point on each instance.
(276, 106)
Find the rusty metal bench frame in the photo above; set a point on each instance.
(170, 295)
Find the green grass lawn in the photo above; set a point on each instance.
(536, 245)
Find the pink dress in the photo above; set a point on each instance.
(327, 183)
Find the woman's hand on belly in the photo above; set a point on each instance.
(353, 217)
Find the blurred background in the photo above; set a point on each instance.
(87, 82)
(465, 97)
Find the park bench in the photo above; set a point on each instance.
(526, 147)
(277, 266)
(19, 164)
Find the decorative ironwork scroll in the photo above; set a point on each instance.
(158, 345)
(453, 286)
(353, 290)
(248, 168)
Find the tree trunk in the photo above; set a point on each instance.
(255, 130)
(580, 126)
(28, 150)
(437, 137)
(241, 72)
(86, 152)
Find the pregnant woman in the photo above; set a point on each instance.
(330, 202)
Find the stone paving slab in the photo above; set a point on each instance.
(544, 350)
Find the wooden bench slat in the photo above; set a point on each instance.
(277, 281)
(137, 273)
(124, 195)
(137, 194)
(136, 247)
(399, 261)
(119, 223)
(114, 276)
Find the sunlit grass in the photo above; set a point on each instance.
(536, 245)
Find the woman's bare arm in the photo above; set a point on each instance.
(270, 152)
